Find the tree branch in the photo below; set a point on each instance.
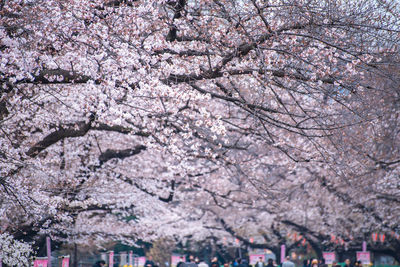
(120, 154)
(77, 130)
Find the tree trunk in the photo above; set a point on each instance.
(277, 252)
(75, 255)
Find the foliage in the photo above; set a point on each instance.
(202, 119)
(14, 252)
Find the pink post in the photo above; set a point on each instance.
(283, 253)
(111, 259)
(130, 258)
(364, 246)
(65, 261)
(48, 245)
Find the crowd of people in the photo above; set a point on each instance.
(196, 262)
(321, 263)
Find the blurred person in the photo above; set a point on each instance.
(347, 263)
(149, 262)
(100, 264)
(270, 263)
(288, 263)
(240, 263)
(259, 263)
(215, 260)
(314, 263)
(202, 264)
(322, 263)
(191, 262)
(181, 262)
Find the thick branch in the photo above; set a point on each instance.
(79, 129)
(120, 154)
(57, 76)
(178, 6)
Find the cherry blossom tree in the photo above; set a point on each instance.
(195, 119)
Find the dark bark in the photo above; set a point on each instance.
(58, 76)
(167, 199)
(178, 8)
(77, 130)
(120, 154)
